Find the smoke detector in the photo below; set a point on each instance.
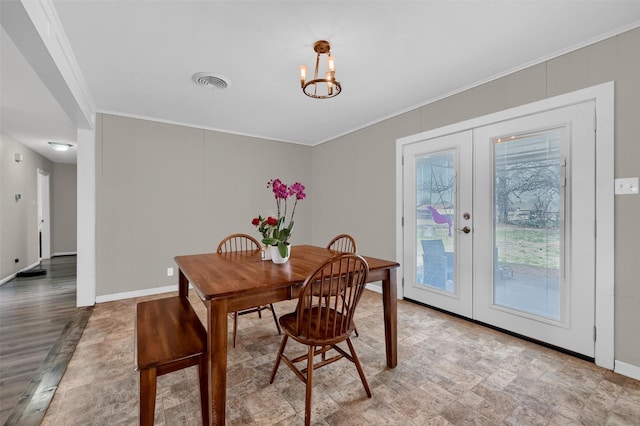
(207, 79)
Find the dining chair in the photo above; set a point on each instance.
(244, 242)
(344, 243)
(321, 326)
(347, 244)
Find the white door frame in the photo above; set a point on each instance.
(44, 215)
(603, 95)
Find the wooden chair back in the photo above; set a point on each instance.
(344, 243)
(238, 242)
(328, 300)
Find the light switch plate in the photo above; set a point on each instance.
(626, 186)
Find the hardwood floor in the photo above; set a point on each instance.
(39, 328)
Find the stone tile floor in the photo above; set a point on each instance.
(450, 372)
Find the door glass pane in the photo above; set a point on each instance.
(528, 188)
(435, 207)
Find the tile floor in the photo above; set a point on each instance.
(450, 372)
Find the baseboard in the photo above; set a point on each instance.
(168, 289)
(374, 287)
(628, 370)
(7, 279)
(65, 253)
(12, 276)
(137, 293)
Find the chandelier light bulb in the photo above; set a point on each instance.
(303, 74)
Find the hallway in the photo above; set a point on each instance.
(39, 327)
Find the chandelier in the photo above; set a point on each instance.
(321, 88)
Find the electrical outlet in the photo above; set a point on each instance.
(625, 186)
(169, 272)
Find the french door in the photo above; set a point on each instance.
(535, 208)
(437, 214)
(498, 225)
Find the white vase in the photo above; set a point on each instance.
(275, 254)
(266, 253)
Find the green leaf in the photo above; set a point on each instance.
(282, 249)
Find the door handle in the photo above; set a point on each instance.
(466, 229)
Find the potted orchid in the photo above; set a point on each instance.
(275, 230)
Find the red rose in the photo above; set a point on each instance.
(255, 221)
(272, 221)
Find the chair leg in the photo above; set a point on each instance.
(278, 358)
(235, 327)
(147, 396)
(275, 318)
(307, 399)
(203, 377)
(356, 361)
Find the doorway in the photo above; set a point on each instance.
(513, 198)
(44, 214)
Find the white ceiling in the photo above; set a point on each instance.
(138, 57)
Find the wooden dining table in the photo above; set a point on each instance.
(232, 281)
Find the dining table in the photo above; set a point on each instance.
(232, 281)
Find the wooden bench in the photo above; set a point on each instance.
(169, 337)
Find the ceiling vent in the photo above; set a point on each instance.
(206, 79)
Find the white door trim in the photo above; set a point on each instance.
(603, 95)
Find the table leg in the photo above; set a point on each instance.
(183, 285)
(390, 305)
(217, 354)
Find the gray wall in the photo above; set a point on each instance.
(19, 220)
(363, 162)
(63, 209)
(163, 190)
(354, 186)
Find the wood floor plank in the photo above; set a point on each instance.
(38, 324)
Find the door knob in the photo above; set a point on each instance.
(466, 229)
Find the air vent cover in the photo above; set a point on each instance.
(209, 80)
